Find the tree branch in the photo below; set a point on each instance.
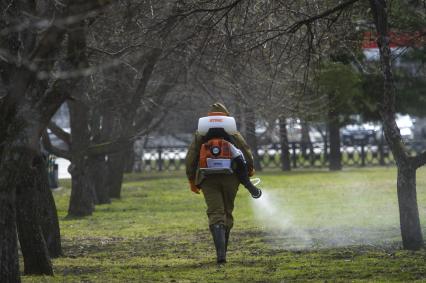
(419, 160)
(60, 133)
(294, 27)
(151, 61)
(297, 25)
(47, 144)
(118, 53)
(109, 147)
(211, 10)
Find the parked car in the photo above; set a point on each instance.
(369, 133)
(356, 134)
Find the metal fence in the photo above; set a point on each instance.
(312, 155)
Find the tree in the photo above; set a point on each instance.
(30, 54)
(340, 94)
(25, 110)
(412, 237)
(285, 148)
(120, 105)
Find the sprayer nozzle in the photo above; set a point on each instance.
(254, 191)
(257, 194)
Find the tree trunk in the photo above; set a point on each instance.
(325, 137)
(27, 108)
(100, 130)
(305, 142)
(26, 115)
(82, 192)
(98, 170)
(115, 173)
(411, 233)
(20, 187)
(129, 160)
(285, 149)
(82, 201)
(335, 157)
(9, 260)
(49, 215)
(33, 245)
(251, 137)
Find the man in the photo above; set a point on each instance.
(218, 160)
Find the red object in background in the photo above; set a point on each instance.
(397, 39)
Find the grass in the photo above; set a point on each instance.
(310, 226)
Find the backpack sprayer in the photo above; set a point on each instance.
(218, 152)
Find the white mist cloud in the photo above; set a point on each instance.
(277, 221)
(344, 221)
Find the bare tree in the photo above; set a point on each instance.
(412, 237)
(32, 59)
(111, 112)
(25, 109)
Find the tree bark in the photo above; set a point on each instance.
(9, 261)
(48, 212)
(82, 200)
(115, 173)
(326, 141)
(82, 192)
(19, 186)
(26, 119)
(411, 232)
(335, 157)
(33, 245)
(98, 174)
(100, 132)
(129, 159)
(114, 162)
(305, 142)
(285, 149)
(251, 136)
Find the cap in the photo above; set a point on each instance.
(219, 107)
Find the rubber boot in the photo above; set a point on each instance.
(227, 232)
(218, 233)
(243, 177)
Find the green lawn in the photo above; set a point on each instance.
(340, 226)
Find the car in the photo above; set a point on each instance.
(370, 133)
(356, 134)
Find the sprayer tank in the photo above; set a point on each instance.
(225, 122)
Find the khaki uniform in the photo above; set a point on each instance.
(219, 190)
